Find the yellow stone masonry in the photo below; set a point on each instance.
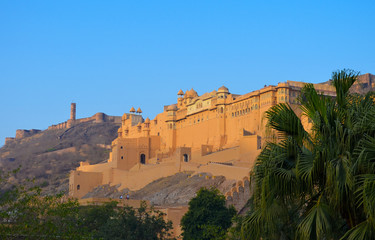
(218, 132)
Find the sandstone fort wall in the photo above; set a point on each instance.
(218, 133)
(97, 118)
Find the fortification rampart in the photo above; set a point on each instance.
(364, 83)
(22, 133)
(9, 140)
(97, 118)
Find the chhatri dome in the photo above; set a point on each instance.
(180, 93)
(223, 89)
(139, 110)
(191, 93)
(147, 120)
(132, 110)
(172, 107)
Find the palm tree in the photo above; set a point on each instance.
(317, 183)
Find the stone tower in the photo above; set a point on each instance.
(72, 111)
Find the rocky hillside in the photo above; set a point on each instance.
(49, 155)
(176, 190)
(179, 189)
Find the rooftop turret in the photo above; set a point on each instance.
(191, 94)
(172, 107)
(180, 93)
(223, 89)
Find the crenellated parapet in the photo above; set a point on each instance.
(97, 118)
(22, 133)
(239, 194)
(9, 140)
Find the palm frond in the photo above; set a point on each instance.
(283, 119)
(343, 80)
(313, 105)
(309, 169)
(318, 222)
(341, 179)
(363, 231)
(366, 194)
(364, 155)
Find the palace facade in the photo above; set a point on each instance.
(219, 133)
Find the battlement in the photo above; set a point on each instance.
(96, 118)
(22, 133)
(9, 140)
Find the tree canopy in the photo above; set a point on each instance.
(207, 217)
(112, 222)
(317, 182)
(26, 214)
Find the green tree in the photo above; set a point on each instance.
(112, 222)
(26, 214)
(207, 217)
(317, 183)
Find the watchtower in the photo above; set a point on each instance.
(72, 111)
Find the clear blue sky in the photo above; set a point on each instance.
(110, 55)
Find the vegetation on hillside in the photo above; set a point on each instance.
(317, 183)
(50, 155)
(26, 214)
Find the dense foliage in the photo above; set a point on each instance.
(207, 217)
(317, 183)
(110, 222)
(26, 214)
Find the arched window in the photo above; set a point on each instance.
(142, 159)
(186, 158)
(78, 187)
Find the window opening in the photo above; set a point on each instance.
(143, 159)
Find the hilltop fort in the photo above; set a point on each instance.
(211, 139)
(218, 133)
(96, 118)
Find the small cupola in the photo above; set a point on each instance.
(180, 93)
(222, 92)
